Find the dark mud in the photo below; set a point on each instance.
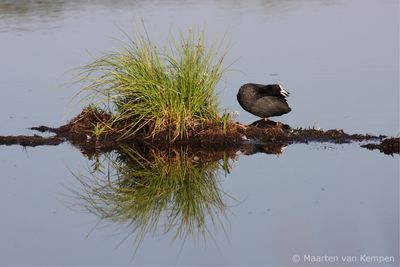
(388, 146)
(35, 140)
(259, 137)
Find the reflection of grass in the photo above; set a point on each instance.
(167, 193)
(155, 90)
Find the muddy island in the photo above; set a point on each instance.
(144, 96)
(261, 136)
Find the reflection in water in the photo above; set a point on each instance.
(156, 192)
(27, 15)
(272, 148)
(19, 15)
(153, 191)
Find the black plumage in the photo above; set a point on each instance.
(263, 100)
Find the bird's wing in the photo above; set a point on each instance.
(271, 106)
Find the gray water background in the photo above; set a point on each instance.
(339, 60)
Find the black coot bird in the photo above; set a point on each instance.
(263, 100)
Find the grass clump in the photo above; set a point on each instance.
(169, 90)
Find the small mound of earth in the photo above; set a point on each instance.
(79, 126)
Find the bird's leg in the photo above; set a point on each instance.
(242, 126)
(265, 121)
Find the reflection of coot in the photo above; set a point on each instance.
(270, 148)
(263, 100)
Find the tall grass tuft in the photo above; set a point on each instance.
(159, 90)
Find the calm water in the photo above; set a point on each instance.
(339, 60)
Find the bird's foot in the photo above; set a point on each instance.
(242, 126)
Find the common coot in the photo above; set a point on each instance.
(263, 100)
